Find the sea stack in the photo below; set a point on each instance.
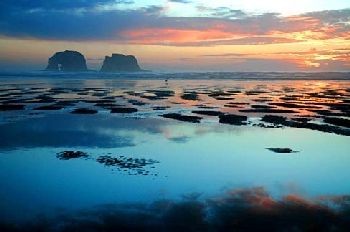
(67, 61)
(120, 63)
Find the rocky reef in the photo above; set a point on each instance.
(68, 61)
(120, 63)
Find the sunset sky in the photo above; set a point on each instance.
(180, 35)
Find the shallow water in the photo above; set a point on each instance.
(208, 157)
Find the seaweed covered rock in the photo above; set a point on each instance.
(120, 63)
(68, 61)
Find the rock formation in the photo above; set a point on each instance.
(120, 63)
(67, 61)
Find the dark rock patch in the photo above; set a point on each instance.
(337, 121)
(101, 101)
(279, 120)
(67, 102)
(67, 155)
(301, 119)
(108, 105)
(219, 94)
(233, 119)
(289, 98)
(232, 106)
(208, 112)
(265, 110)
(108, 98)
(49, 107)
(327, 113)
(205, 107)
(262, 100)
(238, 103)
(82, 93)
(224, 98)
(261, 107)
(135, 166)
(190, 96)
(99, 94)
(263, 125)
(233, 91)
(58, 90)
(160, 107)
(84, 111)
(254, 92)
(293, 105)
(185, 118)
(318, 127)
(273, 119)
(136, 102)
(13, 101)
(7, 89)
(281, 150)
(42, 99)
(9, 107)
(124, 110)
(235, 104)
(339, 106)
(11, 95)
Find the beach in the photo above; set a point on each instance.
(71, 145)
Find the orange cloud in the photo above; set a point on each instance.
(171, 35)
(256, 31)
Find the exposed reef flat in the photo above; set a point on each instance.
(278, 105)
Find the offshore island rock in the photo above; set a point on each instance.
(120, 63)
(67, 61)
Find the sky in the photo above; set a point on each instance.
(180, 35)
